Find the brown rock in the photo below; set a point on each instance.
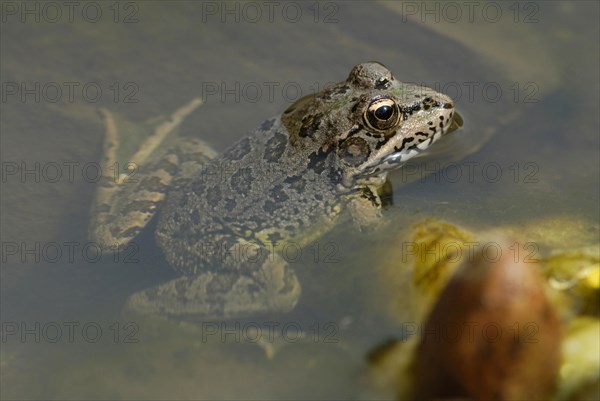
(492, 335)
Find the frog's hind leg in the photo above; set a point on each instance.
(250, 281)
(124, 203)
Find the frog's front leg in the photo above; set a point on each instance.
(366, 204)
(247, 280)
(125, 202)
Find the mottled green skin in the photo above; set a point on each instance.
(287, 181)
(248, 192)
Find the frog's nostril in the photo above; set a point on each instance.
(448, 106)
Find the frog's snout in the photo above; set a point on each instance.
(445, 106)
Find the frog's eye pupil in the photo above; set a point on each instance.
(384, 112)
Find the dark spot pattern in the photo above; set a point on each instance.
(278, 194)
(297, 183)
(343, 89)
(240, 183)
(239, 150)
(335, 176)
(405, 141)
(317, 161)
(310, 125)
(267, 124)
(366, 193)
(429, 102)
(354, 131)
(274, 238)
(382, 142)
(412, 109)
(275, 147)
(382, 83)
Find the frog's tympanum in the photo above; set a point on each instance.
(219, 217)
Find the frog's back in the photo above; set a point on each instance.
(259, 189)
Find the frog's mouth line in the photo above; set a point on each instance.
(404, 155)
(395, 159)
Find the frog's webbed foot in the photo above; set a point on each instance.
(125, 202)
(268, 286)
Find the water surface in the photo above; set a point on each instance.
(539, 133)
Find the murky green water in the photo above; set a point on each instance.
(525, 81)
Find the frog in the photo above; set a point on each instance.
(220, 217)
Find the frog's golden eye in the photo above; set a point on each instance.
(382, 114)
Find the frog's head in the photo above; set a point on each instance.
(371, 123)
